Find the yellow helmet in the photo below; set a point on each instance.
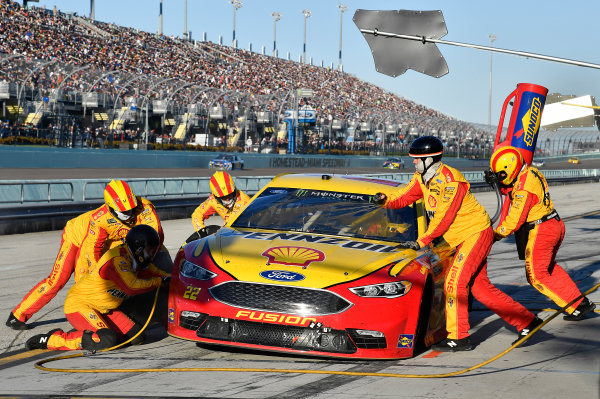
(223, 187)
(506, 162)
(120, 199)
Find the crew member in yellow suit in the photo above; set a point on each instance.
(225, 200)
(538, 229)
(456, 215)
(92, 304)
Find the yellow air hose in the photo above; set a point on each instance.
(40, 363)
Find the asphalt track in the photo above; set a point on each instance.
(562, 360)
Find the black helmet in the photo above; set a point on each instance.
(426, 146)
(143, 243)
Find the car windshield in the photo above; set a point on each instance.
(328, 212)
(226, 157)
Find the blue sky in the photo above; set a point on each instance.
(553, 28)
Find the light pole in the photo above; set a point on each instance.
(236, 4)
(160, 19)
(307, 13)
(185, 31)
(276, 17)
(492, 38)
(342, 9)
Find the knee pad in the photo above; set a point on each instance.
(105, 338)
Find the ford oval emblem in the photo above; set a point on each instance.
(281, 275)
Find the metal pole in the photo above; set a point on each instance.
(276, 17)
(236, 4)
(477, 47)
(160, 19)
(492, 38)
(92, 10)
(342, 9)
(307, 14)
(185, 31)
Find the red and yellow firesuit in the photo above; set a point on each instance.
(84, 240)
(531, 205)
(211, 206)
(456, 215)
(64, 266)
(92, 302)
(106, 231)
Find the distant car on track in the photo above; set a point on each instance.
(226, 162)
(312, 266)
(574, 160)
(538, 164)
(394, 163)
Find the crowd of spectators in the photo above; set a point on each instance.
(116, 61)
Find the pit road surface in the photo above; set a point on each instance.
(560, 361)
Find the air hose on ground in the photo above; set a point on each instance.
(40, 363)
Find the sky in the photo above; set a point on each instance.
(553, 28)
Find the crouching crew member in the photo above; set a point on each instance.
(538, 229)
(456, 215)
(92, 304)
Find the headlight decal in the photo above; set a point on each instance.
(191, 270)
(393, 289)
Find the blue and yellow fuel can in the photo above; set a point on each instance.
(524, 123)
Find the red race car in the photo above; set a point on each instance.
(312, 266)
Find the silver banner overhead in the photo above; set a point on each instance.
(393, 57)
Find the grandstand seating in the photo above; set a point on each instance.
(237, 82)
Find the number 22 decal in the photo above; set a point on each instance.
(191, 292)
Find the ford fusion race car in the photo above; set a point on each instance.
(226, 162)
(313, 266)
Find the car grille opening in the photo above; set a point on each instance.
(191, 320)
(279, 298)
(366, 341)
(276, 335)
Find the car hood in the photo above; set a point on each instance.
(308, 260)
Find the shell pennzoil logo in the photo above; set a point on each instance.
(293, 256)
(531, 122)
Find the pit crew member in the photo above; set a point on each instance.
(225, 200)
(538, 229)
(456, 215)
(92, 304)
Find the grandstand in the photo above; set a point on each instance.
(63, 74)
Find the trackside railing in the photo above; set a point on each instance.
(40, 192)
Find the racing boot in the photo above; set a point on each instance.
(527, 330)
(40, 341)
(453, 345)
(584, 308)
(15, 323)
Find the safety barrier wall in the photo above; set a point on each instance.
(39, 205)
(54, 157)
(43, 192)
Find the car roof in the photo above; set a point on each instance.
(333, 182)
